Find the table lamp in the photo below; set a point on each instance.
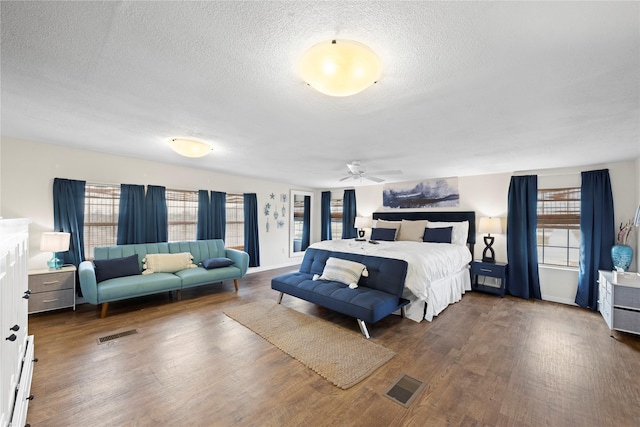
(54, 242)
(489, 225)
(361, 223)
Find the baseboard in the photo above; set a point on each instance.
(273, 267)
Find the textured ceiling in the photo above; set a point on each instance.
(467, 88)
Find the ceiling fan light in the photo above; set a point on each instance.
(190, 147)
(340, 67)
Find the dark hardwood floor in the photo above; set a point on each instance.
(487, 361)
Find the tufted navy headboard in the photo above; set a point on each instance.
(435, 216)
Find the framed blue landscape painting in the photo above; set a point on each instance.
(430, 193)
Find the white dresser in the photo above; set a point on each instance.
(619, 304)
(16, 346)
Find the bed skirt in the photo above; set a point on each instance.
(440, 294)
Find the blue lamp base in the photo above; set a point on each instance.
(54, 263)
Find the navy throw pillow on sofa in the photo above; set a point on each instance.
(116, 267)
(385, 234)
(216, 263)
(437, 235)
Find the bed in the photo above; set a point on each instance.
(438, 273)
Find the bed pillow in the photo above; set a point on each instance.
(216, 263)
(382, 223)
(459, 233)
(116, 267)
(412, 230)
(167, 263)
(385, 234)
(437, 235)
(343, 271)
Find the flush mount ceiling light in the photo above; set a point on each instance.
(340, 67)
(190, 147)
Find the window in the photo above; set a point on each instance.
(558, 232)
(182, 215)
(336, 219)
(298, 219)
(234, 231)
(101, 209)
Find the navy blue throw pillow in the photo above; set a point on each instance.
(385, 234)
(437, 235)
(116, 267)
(216, 263)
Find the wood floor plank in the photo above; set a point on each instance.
(486, 361)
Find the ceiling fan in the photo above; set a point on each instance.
(357, 171)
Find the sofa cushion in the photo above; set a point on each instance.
(369, 305)
(216, 262)
(167, 263)
(116, 267)
(343, 271)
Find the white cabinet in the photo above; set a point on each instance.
(16, 347)
(619, 304)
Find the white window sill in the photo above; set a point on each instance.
(557, 267)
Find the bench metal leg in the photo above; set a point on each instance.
(363, 328)
(403, 312)
(280, 297)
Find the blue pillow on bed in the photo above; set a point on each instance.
(437, 235)
(386, 234)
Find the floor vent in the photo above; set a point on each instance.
(112, 337)
(404, 390)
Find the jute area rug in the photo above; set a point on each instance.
(340, 356)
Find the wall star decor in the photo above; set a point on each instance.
(429, 193)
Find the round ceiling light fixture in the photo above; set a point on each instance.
(190, 147)
(340, 67)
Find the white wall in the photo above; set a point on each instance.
(28, 170)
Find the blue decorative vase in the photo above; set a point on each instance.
(621, 256)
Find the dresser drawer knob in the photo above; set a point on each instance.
(11, 337)
(488, 270)
(50, 300)
(15, 328)
(53, 282)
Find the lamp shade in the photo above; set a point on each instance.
(362, 222)
(490, 225)
(54, 242)
(340, 67)
(190, 147)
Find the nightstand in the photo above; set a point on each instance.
(489, 269)
(52, 289)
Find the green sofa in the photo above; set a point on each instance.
(136, 284)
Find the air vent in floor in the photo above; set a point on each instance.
(404, 390)
(112, 337)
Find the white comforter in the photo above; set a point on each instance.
(427, 263)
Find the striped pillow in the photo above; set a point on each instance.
(343, 271)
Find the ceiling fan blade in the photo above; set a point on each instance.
(392, 172)
(374, 178)
(345, 178)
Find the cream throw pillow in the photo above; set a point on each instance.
(412, 230)
(167, 263)
(343, 271)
